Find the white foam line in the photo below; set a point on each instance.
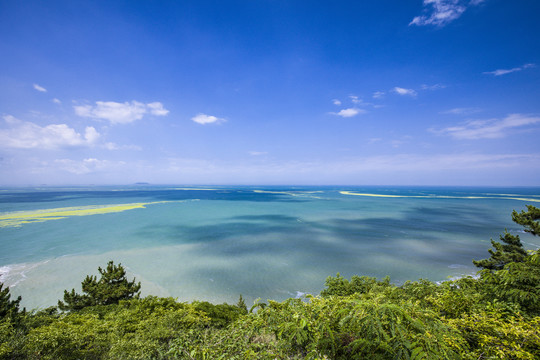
(290, 193)
(437, 196)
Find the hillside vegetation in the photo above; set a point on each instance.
(494, 315)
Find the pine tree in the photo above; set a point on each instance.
(241, 304)
(112, 287)
(8, 308)
(511, 249)
(528, 219)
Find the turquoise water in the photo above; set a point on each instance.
(262, 242)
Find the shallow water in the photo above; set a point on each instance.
(269, 242)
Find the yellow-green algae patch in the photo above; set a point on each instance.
(18, 218)
(502, 197)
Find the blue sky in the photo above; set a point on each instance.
(403, 92)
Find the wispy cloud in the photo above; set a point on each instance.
(86, 166)
(429, 165)
(442, 12)
(355, 99)
(39, 88)
(500, 72)
(207, 119)
(461, 111)
(56, 101)
(336, 102)
(114, 146)
(378, 94)
(120, 113)
(403, 91)
(488, 129)
(433, 163)
(432, 87)
(27, 135)
(258, 153)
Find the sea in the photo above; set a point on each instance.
(216, 243)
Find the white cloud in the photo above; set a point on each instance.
(500, 72)
(356, 107)
(442, 12)
(156, 108)
(258, 153)
(378, 94)
(346, 113)
(113, 146)
(206, 119)
(120, 113)
(402, 91)
(56, 101)
(39, 88)
(488, 129)
(27, 135)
